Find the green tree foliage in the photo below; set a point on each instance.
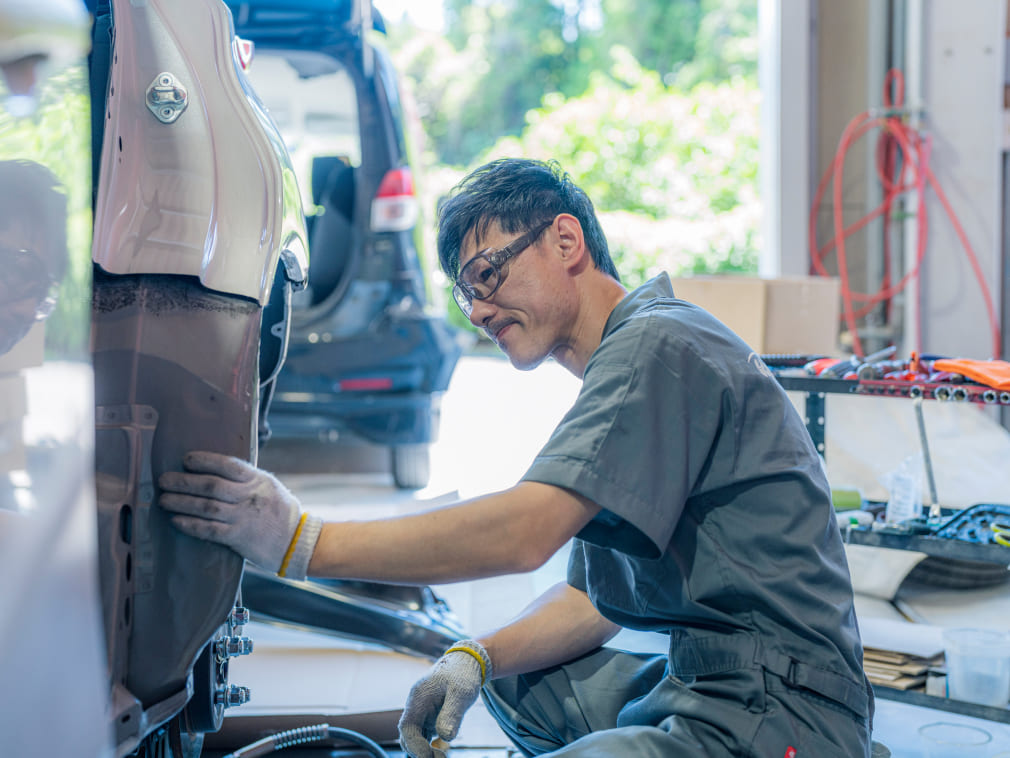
(726, 46)
(661, 35)
(497, 60)
(651, 105)
(673, 174)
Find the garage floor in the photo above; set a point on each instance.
(302, 678)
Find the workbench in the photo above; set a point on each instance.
(816, 390)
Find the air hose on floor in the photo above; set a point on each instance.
(303, 735)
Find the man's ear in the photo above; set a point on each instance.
(571, 242)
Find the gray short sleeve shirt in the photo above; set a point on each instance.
(716, 511)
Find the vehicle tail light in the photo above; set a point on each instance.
(365, 384)
(395, 208)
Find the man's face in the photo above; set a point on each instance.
(527, 316)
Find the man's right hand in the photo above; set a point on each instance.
(436, 703)
(227, 500)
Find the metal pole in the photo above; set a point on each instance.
(934, 505)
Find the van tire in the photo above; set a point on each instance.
(411, 466)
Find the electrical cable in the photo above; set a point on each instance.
(306, 734)
(902, 162)
(892, 127)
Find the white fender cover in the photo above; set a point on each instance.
(204, 193)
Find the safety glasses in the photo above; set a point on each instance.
(482, 275)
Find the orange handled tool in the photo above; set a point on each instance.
(993, 373)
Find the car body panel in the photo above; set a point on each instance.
(164, 211)
(165, 594)
(198, 227)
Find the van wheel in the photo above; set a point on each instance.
(411, 466)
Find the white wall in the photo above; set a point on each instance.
(963, 53)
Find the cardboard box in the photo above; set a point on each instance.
(786, 315)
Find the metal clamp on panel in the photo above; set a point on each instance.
(167, 98)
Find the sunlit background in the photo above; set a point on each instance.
(425, 14)
(651, 105)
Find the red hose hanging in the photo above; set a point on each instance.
(902, 165)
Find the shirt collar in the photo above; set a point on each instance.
(658, 288)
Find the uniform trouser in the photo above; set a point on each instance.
(613, 703)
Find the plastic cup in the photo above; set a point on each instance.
(944, 739)
(978, 665)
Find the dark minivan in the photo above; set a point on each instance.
(367, 360)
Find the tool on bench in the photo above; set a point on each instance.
(934, 505)
(841, 367)
(995, 374)
(880, 369)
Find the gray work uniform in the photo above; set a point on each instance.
(717, 529)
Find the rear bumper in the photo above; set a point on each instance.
(383, 387)
(380, 418)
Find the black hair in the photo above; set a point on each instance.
(32, 197)
(518, 193)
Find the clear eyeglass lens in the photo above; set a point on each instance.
(480, 276)
(462, 300)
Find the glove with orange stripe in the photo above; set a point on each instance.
(227, 500)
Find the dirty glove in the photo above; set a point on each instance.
(436, 703)
(227, 500)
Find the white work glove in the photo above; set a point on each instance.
(227, 500)
(436, 703)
